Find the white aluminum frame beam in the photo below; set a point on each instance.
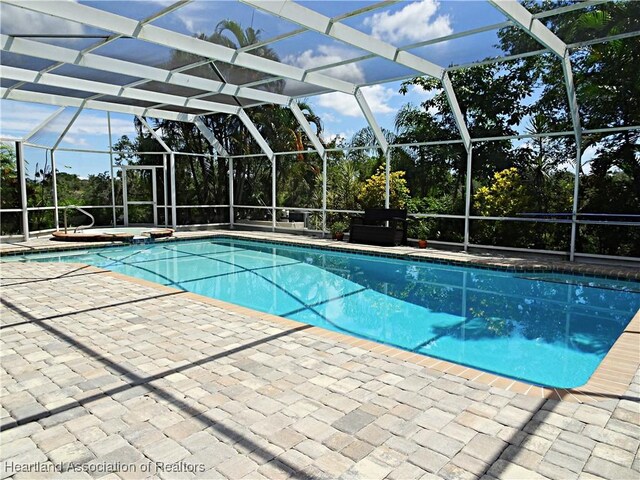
(174, 204)
(534, 27)
(54, 80)
(43, 124)
(302, 120)
(572, 97)
(371, 120)
(112, 38)
(211, 138)
(255, 133)
(314, 21)
(343, 16)
(458, 66)
(538, 30)
(68, 127)
(264, 146)
(70, 10)
(113, 182)
(456, 111)
(368, 56)
(70, 56)
(154, 134)
(64, 101)
(317, 22)
(467, 198)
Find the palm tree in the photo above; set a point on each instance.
(252, 177)
(231, 34)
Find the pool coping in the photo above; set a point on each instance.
(610, 380)
(443, 257)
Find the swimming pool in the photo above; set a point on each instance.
(546, 329)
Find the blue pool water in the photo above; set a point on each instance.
(547, 329)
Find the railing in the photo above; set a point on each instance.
(79, 227)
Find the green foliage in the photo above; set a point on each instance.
(496, 99)
(421, 228)
(372, 193)
(338, 226)
(509, 195)
(9, 192)
(506, 196)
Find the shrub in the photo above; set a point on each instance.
(372, 194)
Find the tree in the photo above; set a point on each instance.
(499, 98)
(491, 101)
(9, 188)
(203, 179)
(608, 91)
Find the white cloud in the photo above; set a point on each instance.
(329, 117)
(96, 124)
(415, 22)
(325, 55)
(90, 124)
(197, 16)
(76, 141)
(330, 137)
(421, 93)
(191, 16)
(18, 119)
(16, 20)
(377, 97)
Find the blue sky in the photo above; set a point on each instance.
(401, 24)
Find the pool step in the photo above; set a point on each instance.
(141, 240)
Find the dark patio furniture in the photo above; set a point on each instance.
(379, 226)
(300, 216)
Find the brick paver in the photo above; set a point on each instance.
(99, 371)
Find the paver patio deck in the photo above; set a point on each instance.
(101, 371)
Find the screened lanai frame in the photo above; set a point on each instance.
(189, 109)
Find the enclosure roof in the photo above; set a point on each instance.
(179, 60)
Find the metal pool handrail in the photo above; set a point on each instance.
(79, 227)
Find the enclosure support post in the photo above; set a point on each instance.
(574, 209)
(467, 197)
(113, 181)
(165, 187)
(154, 190)
(125, 203)
(172, 166)
(273, 193)
(23, 190)
(577, 130)
(387, 171)
(534, 27)
(54, 177)
(231, 195)
(324, 193)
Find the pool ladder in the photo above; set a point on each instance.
(79, 227)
